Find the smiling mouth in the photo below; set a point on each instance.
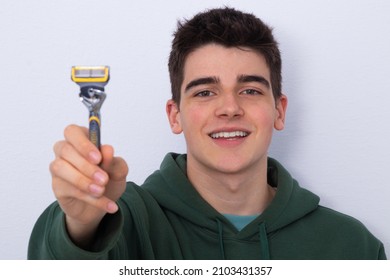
(229, 135)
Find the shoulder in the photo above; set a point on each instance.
(332, 217)
(347, 233)
(339, 223)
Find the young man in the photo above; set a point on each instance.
(224, 199)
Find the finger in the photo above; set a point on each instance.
(107, 152)
(67, 172)
(78, 137)
(102, 203)
(68, 195)
(68, 153)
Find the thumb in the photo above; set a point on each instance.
(116, 167)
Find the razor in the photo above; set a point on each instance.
(92, 80)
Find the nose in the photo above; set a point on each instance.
(229, 106)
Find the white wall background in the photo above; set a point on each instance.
(336, 74)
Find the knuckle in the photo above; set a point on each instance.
(55, 167)
(63, 149)
(69, 130)
(57, 146)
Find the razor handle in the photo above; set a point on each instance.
(94, 129)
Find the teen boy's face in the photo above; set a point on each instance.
(227, 110)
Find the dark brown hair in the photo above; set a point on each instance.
(227, 27)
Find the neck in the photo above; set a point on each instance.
(245, 193)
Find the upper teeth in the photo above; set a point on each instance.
(229, 134)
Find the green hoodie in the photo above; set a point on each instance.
(166, 218)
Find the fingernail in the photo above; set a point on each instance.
(99, 178)
(95, 189)
(94, 156)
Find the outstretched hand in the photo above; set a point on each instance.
(86, 182)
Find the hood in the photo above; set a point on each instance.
(173, 191)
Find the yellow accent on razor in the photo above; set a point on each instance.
(92, 80)
(94, 118)
(90, 74)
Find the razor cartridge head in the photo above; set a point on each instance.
(91, 80)
(99, 75)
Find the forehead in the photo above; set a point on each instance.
(217, 60)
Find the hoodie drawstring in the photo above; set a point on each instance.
(264, 248)
(221, 246)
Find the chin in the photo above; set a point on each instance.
(237, 164)
(231, 166)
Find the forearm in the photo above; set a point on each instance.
(50, 238)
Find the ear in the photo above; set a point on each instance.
(281, 107)
(173, 114)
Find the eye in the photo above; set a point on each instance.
(204, 93)
(251, 92)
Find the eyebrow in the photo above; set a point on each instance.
(201, 81)
(215, 80)
(254, 78)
